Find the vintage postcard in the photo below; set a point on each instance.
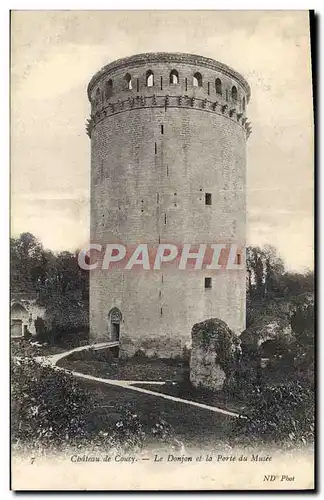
(161, 251)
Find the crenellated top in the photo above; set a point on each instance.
(168, 79)
(168, 58)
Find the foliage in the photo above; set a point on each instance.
(289, 299)
(56, 280)
(52, 410)
(271, 289)
(22, 347)
(48, 407)
(297, 284)
(70, 339)
(36, 270)
(257, 309)
(287, 296)
(303, 320)
(241, 384)
(264, 269)
(68, 315)
(133, 430)
(26, 259)
(282, 413)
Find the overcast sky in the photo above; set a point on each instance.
(54, 55)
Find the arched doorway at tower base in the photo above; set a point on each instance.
(114, 324)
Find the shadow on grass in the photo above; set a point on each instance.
(174, 372)
(186, 390)
(103, 364)
(193, 426)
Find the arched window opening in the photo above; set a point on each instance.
(174, 77)
(149, 78)
(197, 80)
(108, 89)
(114, 323)
(218, 85)
(243, 104)
(128, 80)
(234, 93)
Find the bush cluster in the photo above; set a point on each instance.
(278, 395)
(49, 408)
(282, 413)
(52, 410)
(66, 315)
(133, 430)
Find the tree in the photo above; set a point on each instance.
(264, 269)
(34, 269)
(26, 262)
(303, 320)
(294, 284)
(271, 290)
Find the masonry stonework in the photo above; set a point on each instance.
(158, 144)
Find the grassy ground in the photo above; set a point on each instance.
(102, 364)
(174, 373)
(193, 426)
(185, 390)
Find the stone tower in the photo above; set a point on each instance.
(168, 165)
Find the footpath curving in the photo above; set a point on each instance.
(52, 360)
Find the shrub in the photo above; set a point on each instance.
(64, 339)
(256, 310)
(49, 408)
(69, 339)
(282, 413)
(66, 314)
(23, 348)
(303, 322)
(242, 383)
(133, 430)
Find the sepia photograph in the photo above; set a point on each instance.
(162, 297)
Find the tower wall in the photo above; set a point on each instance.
(155, 152)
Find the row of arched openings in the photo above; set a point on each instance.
(174, 80)
(107, 91)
